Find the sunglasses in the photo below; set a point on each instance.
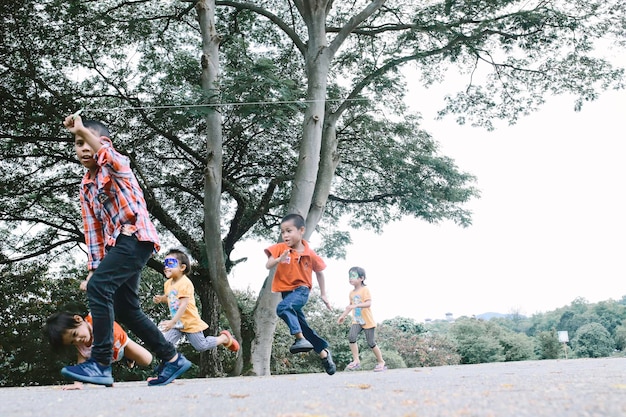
(170, 262)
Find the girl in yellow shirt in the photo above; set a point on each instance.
(185, 319)
(362, 320)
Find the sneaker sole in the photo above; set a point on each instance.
(300, 350)
(96, 380)
(175, 375)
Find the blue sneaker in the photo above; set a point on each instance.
(329, 365)
(301, 345)
(171, 370)
(90, 371)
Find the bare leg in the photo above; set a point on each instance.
(378, 354)
(139, 354)
(354, 348)
(222, 339)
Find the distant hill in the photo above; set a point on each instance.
(491, 315)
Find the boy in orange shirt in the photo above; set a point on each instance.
(295, 262)
(65, 329)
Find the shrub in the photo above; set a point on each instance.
(592, 341)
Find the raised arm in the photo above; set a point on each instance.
(74, 123)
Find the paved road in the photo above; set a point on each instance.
(559, 388)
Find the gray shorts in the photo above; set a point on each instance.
(355, 329)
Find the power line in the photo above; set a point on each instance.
(188, 106)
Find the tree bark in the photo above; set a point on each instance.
(210, 366)
(265, 320)
(213, 173)
(329, 159)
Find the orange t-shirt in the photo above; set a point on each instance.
(120, 340)
(297, 269)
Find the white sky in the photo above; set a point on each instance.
(550, 225)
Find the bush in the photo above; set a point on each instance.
(620, 338)
(428, 350)
(548, 345)
(517, 347)
(477, 341)
(392, 359)
(593, 341)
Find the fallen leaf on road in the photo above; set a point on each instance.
(360, 386)
(301, 415)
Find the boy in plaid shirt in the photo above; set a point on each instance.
(120, 239)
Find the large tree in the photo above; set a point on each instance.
(515, 52)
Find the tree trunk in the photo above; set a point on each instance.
(213, 173)
(265, 320)
(329, 159)
(317, 61)
(210, 366)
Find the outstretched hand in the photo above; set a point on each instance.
(83, 284)
(73, 122)
(325, 300)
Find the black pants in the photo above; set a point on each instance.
(112, 292)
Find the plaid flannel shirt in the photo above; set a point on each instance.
(111, 200)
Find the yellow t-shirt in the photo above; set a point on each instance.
(183, 288)
(362, 316)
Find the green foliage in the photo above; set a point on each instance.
(405, 325)
(30, 292)
(428, 350)
(480, 341)
(246, 301)
(416, 346)
(513, 321)
(593, 341)
(610, 314)
(570, 321)
(400, 348)
(517, 347)
(334, 243)
(548, 345)
(441, 327)
(29, 295)
(620, 337)
(324, 322)
(393, 359)
(477, 341)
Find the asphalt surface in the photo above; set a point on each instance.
(555, 388)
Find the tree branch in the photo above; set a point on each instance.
(270, 16)
(42, 251)
(352, 24)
